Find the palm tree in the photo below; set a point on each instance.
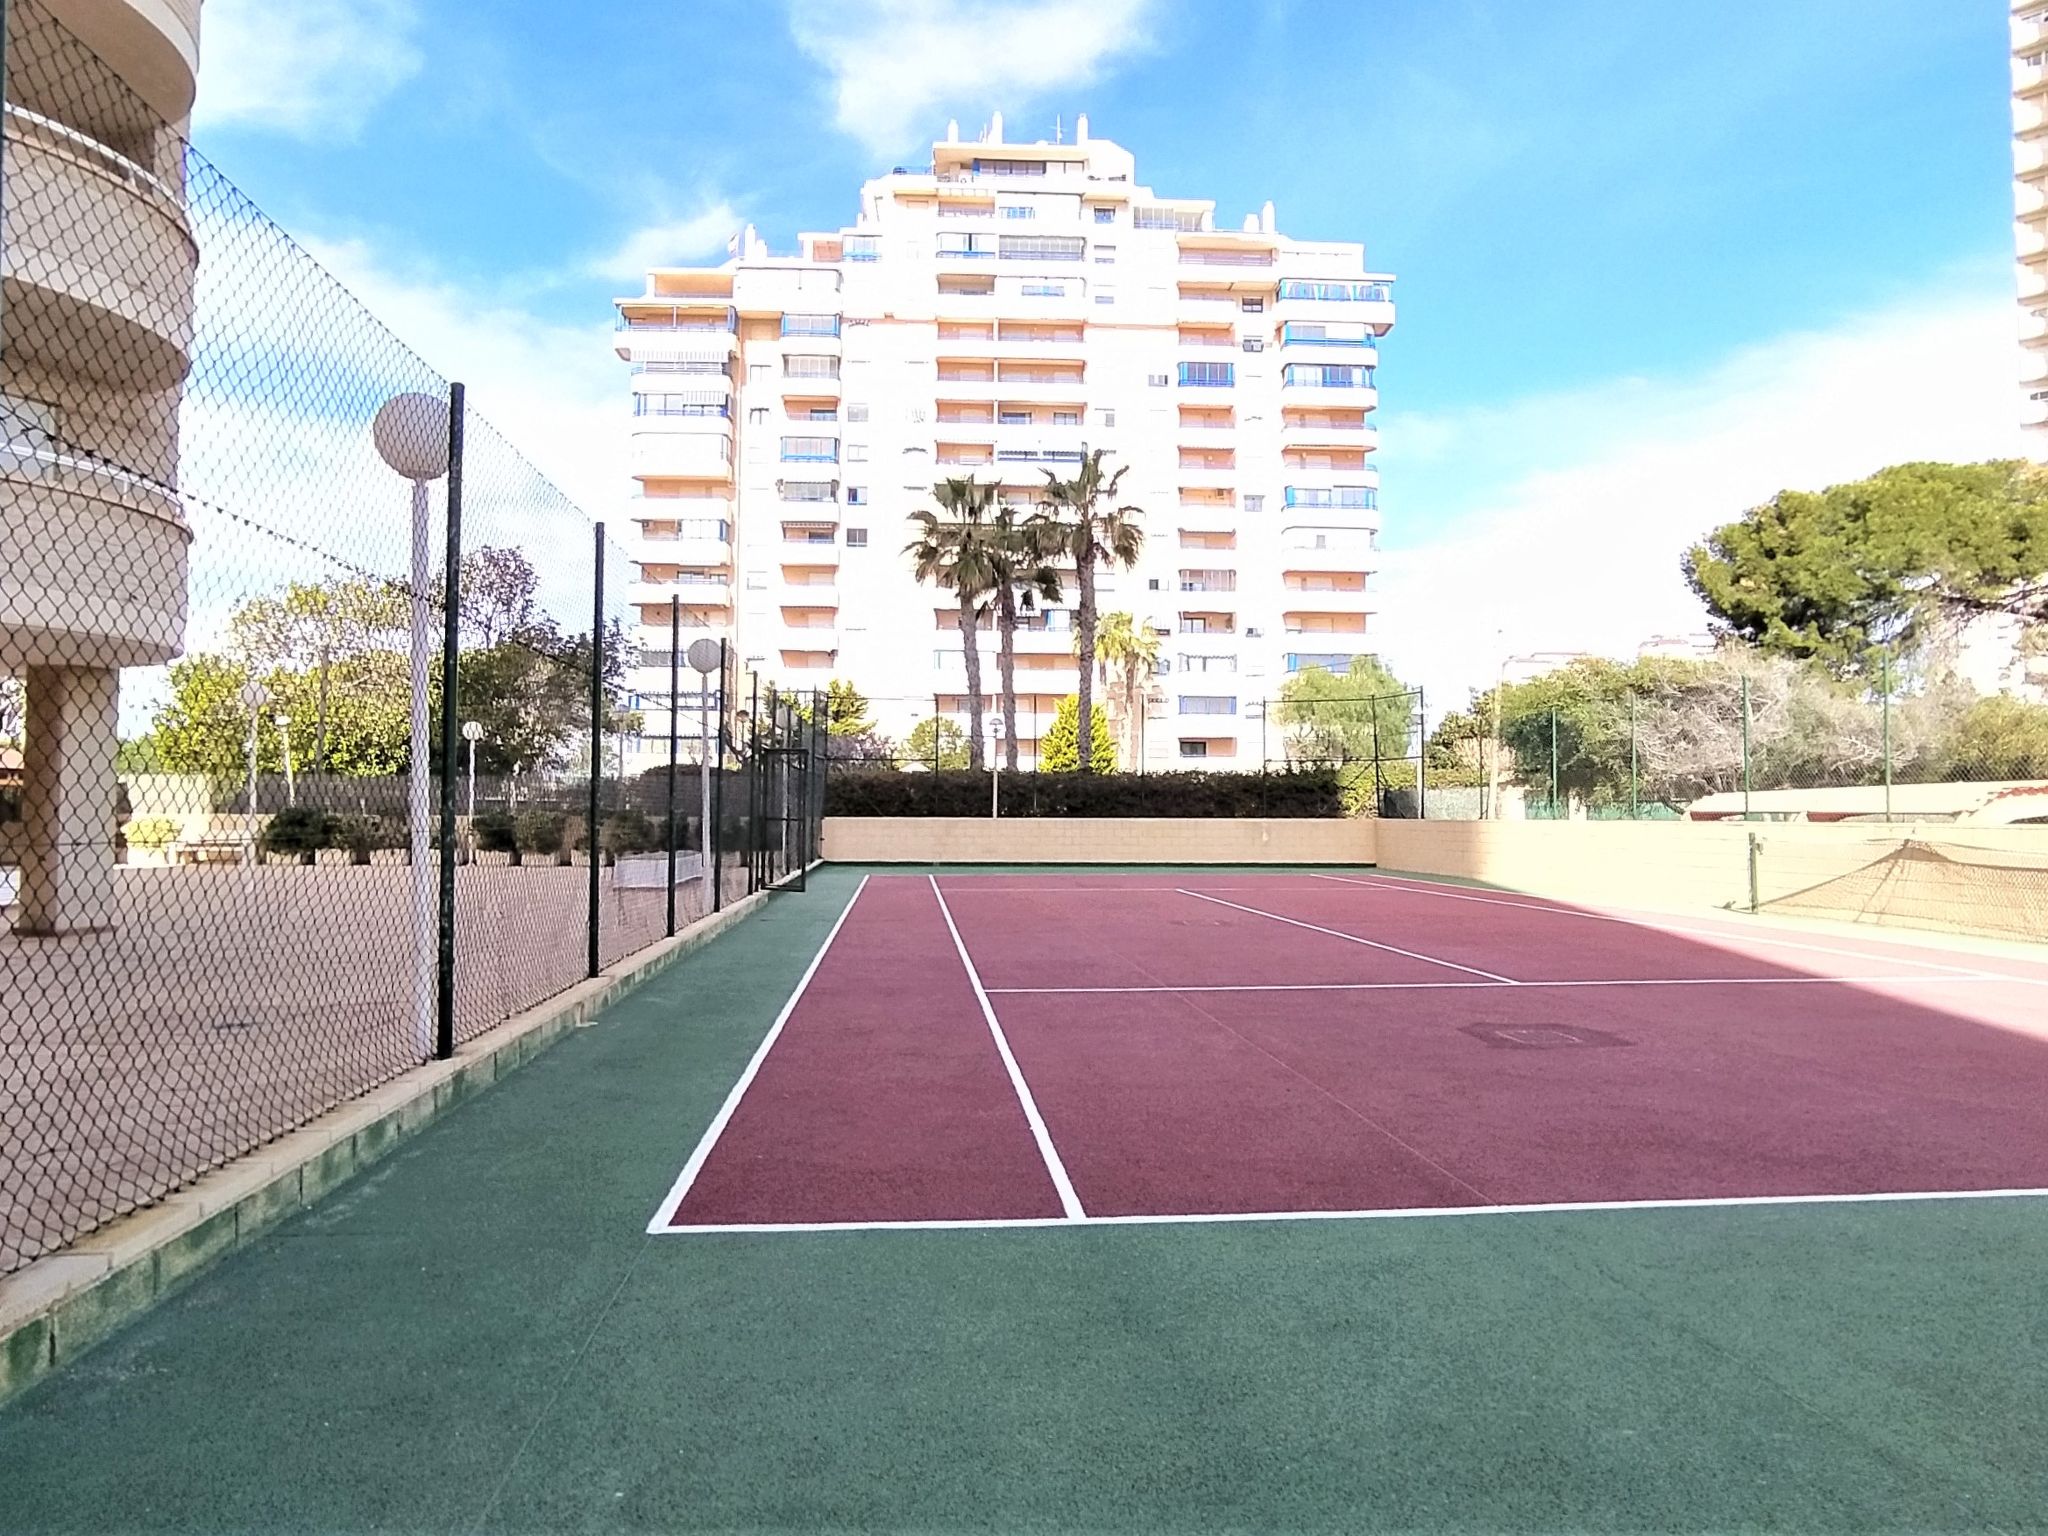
(959, 552)
(1091, 532)
(1126, 655)
(1025, 547)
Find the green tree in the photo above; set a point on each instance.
(1025, 544)
(936, 743)
(1126, 656)
(1092, 532)
(957, 548)
(1363, 713)
(2000, 737)
(1059, 750)
(1831, 575)
(311, 627)
(847, 709)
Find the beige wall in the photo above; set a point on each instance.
(1058, 840)
(1662, 863)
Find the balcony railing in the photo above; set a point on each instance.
(1226, 258)
(1360, 293)
(1326, 376)
(1297, 333)
(1362, 497)
(1208, 375)
(730, 323)
(810, 325)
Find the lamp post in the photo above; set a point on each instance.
(472, 732)
(283, 722)
(995, 767)
(411, 434)
(704, 656)
(254, 696)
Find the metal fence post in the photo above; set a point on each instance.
(754, 790)
(1634, 782)
(675, 684)
(1553, 764)
(590, 835)
(1745, 749)
(1421, 756)
(1885, 693)
(714, 835)
(1753, 852)
(451, 663)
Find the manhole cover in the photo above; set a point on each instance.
(1542, 1037)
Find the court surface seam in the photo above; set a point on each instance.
(1070, 1202)
(671, 1203)
(1387, 1213)
(1352, 938)
(1652, 922)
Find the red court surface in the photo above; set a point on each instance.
(1004, 1048)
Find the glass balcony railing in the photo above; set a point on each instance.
(1359, 293)
(1356, 497)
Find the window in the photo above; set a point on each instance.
(1043, 290)
(856, 495)
(1364, 293)
(1152, 584)
(1194, 749)
(1105, 416)
(809, 490)
(1208, 704)
(757, 581)
(856, 538)
(810, 450)
(757, 416)
(1208, 375)
(1018, 211)
(810, 325)
(1255, 503)
(758, 373)
(1013, 419)
(953, 246)
(856, 453)
(1159, 380)
(1041, 247)
(1105, 215)
(1327, 376)
(801, 365)
(857, 410)
(1166, 218)
(863, 247)
(1009, 167)
(1255, 343)
(1066, 418)
(1251, 306)
(1104, 296)
(1104, 255)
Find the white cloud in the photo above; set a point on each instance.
(308, 68)
(1580, 551)
(667, 242)
(894, 63)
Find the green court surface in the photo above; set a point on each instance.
(479, 1334)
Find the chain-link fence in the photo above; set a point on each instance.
(1762, 741)
(256, 854)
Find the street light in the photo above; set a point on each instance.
(254, 696)
(411, 434)
(283, 722)
(995, 767)
(472, 732)
(704, 656)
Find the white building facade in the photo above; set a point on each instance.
(2030, 205)
(995, 315)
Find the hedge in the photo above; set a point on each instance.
(1299, 792)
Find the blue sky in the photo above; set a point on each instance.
(1750, 242)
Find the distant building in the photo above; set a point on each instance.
(1695, 647)
(2030, 207)
(995, 313)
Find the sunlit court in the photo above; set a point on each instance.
(1015, 1049)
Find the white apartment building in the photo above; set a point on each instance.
(2030, 202)
(993, 314)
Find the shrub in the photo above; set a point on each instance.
(627, 831)
(542, 832)
(152, 832)
(496, 832)
(298, 829)
(362, 835)
(1292, 793)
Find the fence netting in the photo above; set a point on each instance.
(241, 809)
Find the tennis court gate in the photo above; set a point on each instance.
(785, 748)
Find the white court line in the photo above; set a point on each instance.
(1070, 1202)
(1425, 888)
(1352, 938)
(1399, 1213)
(674, 1198)
(1491, 986)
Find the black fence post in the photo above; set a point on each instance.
(675, 663)
(1421, 757)
(714, 836)
(753, 769)
(596, 738)
(451, 658)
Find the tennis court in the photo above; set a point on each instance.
(983, 1050)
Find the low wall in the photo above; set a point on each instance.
(1664, 863)
(1077, 840)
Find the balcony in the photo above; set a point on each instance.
(791, 551)
(1369, 301)
(1337, 432)
(1196, 477)
(1354, 498)
(1330, 661)
(1206, 622)
(1345, 553)
(1206, 257)
(670, 452)
(1206, 375)
(651, 669)
(694, 591)
(1308, 614)
(655, 550)
(1353, 342)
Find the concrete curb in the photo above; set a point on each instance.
(62, 1304)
